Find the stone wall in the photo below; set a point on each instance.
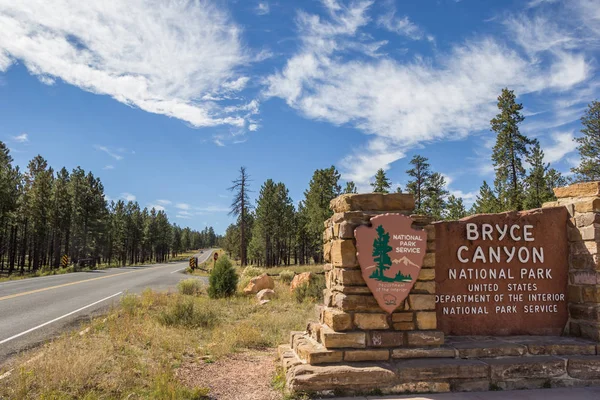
(583, 204)
(351, 319)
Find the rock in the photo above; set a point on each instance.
(588, 189)
(300, 279)
(367, 321)
(337, 319)
(259, 283)
(263, 302)
(265, 294)
(373, 202)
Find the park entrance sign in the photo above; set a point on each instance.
(390, 254)
(503, 274)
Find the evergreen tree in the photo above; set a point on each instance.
(510, 148)
(486, 201)
(554, 179)
(420, 174)
(537, 188)
(240, 207)
(398, 189)
(350, 187)
(455, 208)
(589, 145)
(381, 248)
(435, 196)
(382, 183)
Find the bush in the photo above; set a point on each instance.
(191, 287)
(223, 279)
(311, 291)
(287, 276)
(187, 314)
(251, 272)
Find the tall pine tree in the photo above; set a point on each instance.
(417, 186)
(435, 196)
(350, 187)
(382, 183)
(239, 207)
(589, 145)
(537, 189)
(486, 201)
(509, 150)
(455, 209)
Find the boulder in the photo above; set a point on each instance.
(265, 294)
(259, 283)
(300, 279)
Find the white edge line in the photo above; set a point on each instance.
(56, 319)
(180, 269)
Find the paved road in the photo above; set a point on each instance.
(36, 309)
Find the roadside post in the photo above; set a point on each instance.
(215, 257)
(64, 261)
(193, 263)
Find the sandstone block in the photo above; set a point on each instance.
(259, 283)
(533, 367)
(367, 355)
(419, 387)
(424, 338)
(402, 317)
(355, 302)
(574, 294)
(561, 346)
(386, 339)
(313, 378)
(469, 385)
(430, 229)
(348, 277)
(327, 252)
(591, 294)
(371, 321)
(430, 246)
(404, 326)
(589, 330)
(300, 279)
(426, 274)
(487, 349)
(346, 230)
(352, 289)
(424, 352)
(398, 202)
(426, 320)
(333, 340)
(589, 312)
(337, 319)
(429, 260)
(343, 253)
(357, 202)
(424, 287)
(585, 219)
(583, 260)
(588, 205)
(585, 277)
(584, 367)
(587, 189)
(421, 302)
(313, 354)
(265, 294)
(444, 368)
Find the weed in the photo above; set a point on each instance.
(192, 287)
(287, 276)
(187, 314)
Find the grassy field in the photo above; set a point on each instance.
(143, 348)
(46, 271)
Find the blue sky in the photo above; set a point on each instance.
(165, 100)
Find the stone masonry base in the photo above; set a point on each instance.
(462, 364)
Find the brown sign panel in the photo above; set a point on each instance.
(390, 254)
(503, 274)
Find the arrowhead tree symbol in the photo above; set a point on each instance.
(381, 248)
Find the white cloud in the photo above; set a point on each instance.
(22, 138)
(404, 104)
(109, 166)
(157, 207)
(182, 216)
(128, 196)
(110, 152)
(564, 144)
(402, 26)
(183, 206)
(159, 56)
(212, 209)
(218, 142)
(262, 8)
(164, 202)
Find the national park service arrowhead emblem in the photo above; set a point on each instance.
(390, 253)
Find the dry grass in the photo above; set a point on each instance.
(137, 350)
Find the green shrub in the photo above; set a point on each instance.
(223, 279)
(251, 272)
(191, 287)
(188, 314)
(312, 290)
(287, 276)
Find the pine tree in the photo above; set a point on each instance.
(486, 201)
(398, 189)
(554, 179)
(421, 174)
(589, 145)
(381, 248)
(510, 148)
(382, 183)
(240, 207)
(455, 208)
(350, 187)
(537, 189)
(435, 196)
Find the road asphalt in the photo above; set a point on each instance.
(36, 309)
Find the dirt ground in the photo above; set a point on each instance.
(243, 376)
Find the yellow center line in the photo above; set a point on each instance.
(12, 296)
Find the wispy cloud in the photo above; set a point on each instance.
(92, 46)
(402, 25)
(157, 207)
(563, 144)
(164, 202)
(262, 8)
(110, 152)
(212, 209)
(22, 138)
(128, 196)
(405, 104)
(108, 167)
(183, 206)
